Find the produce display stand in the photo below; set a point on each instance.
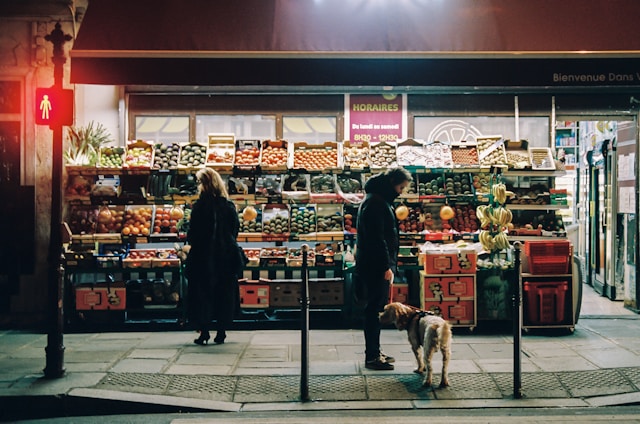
(331, 220)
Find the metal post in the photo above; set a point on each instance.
(55, 349)
(304, 327)
(516, 300)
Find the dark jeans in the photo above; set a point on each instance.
(377, 298)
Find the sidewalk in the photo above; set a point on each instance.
(597, 365)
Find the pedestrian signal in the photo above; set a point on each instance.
(54, 106)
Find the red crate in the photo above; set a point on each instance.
(254, 295)
(545, 301)
(462, 262)
(541, 265)
(399, 293)
(547, 248)
(462, 312)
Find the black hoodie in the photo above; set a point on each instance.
(377, 228)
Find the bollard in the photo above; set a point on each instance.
(516, 303)
(304, 328)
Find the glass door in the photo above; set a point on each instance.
(602, 228)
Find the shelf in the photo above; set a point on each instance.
(535, 173)
(536, 207)
(529, 275)
(534, 238)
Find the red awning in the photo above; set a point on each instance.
(149, 35)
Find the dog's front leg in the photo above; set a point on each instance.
(417, 351)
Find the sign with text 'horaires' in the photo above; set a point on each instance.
(374, 118)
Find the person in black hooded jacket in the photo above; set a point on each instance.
(213, 291)
(377, 245)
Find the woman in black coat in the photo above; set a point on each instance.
(377, 255)
(210, 268)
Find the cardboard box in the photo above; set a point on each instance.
(321, 293)
(454, 286)
(254, 295)
(457, 313)
(450, 262)
(326, 293)
(284, 294)
(399, 293)
(101, 297)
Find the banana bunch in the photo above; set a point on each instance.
(483, 215)
(502, 216)
(486, 240)
(501, 241)
(492, 243)
(499, 192)
(489, 216)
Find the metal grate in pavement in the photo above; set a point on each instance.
(286, 388)
(468, 386)
(595, 383)
(398, 386)
(267, 389)
(633, 374)
(337, 387)
(211, 387)
(533, 385)
(135, 382)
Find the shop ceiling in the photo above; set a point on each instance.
(365, 45)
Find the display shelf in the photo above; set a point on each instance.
(536, 207)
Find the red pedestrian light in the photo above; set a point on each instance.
(54, 106)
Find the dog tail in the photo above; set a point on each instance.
(444, 334)
(435, 336)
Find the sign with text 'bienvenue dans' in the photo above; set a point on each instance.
(374, 118)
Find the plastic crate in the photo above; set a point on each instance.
(541, 265)
(548, 248)
(545, 301)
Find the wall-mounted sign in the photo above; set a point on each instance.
(374, 118)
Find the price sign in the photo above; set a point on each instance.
(375, 118)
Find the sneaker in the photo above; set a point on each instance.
(387, 358)
(378, 364)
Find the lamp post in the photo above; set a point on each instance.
(55, 349)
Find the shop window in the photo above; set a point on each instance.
(312, 129)
(260, 127)
(447, 129)
(162, 129)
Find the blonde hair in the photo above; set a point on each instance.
(211, 182)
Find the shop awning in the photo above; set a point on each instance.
(358, 42)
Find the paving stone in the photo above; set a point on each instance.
(139, 365)
(153, 353)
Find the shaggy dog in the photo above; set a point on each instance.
(423, 329)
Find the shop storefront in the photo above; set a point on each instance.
(300, 73)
